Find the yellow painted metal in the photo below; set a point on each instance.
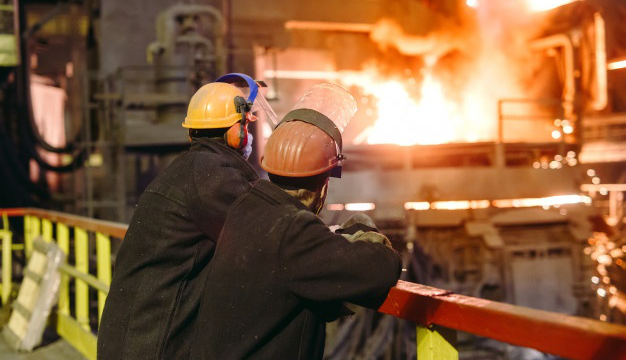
(89, 279)
(63, 240)
(8, 49)
(81, 254)
(46, 229)
(103, 252)
(75, 334)
(7, 251)
(32, 229)
(436, 343)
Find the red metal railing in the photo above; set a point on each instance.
(114, 229)
(567, 336)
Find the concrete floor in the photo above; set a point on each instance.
(58, 350)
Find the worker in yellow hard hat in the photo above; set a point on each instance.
(152, 306)
(279, 273)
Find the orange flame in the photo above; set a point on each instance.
(431, 118)
(543, 5)
(404, 121)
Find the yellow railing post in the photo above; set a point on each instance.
(63, 240)
(436, 343)
(103, 252)
(32, 228)
(46, 230)
(81, 253)
(7, 258)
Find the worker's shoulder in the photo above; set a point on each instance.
(216, 160)
(263, 191)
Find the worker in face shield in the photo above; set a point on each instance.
(279, 274)
(154, 297)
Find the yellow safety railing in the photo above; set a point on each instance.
(75, 235)
(438, 313)
(7, 249)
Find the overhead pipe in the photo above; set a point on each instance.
(328, 26)
(600, 98)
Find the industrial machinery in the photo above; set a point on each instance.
(489, 143)
(143, 106)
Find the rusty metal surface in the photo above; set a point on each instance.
(117, 230)
(568, 336)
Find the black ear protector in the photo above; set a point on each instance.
(237, 136)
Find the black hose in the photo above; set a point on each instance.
(14, 169)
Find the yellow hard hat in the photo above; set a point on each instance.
(213, 106)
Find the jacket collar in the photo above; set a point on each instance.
(218, 146)
(268, 189)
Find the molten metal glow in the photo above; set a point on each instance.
(543, 5)
(617, 65)
(403, 121)
(545, 202)
(334, 207)
(426, 117)
(419, 205)
(360, 206)
(472, 3)
(460, 205)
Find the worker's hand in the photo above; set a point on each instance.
(370, 236)
(361, 227)
(355, 223)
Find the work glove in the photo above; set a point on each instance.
(361, 227)
(370, 236)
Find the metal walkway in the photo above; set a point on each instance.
(59, 350)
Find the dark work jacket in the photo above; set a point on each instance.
(277, 275)
(157, 280)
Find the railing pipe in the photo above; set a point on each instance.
(432, 309)
(103, 254)
(572, 337)
(7, 254)
(63, 240)
(81, 253)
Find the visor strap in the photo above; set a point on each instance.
(317, 119)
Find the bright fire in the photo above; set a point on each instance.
(543, 5)
(429, 118)
(403, 121)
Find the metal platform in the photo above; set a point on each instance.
(59, 350)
